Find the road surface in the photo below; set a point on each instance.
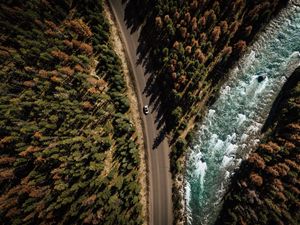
(160, 192)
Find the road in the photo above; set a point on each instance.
(159, 176)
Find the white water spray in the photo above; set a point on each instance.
(232, 126)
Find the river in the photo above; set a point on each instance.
(232, 125)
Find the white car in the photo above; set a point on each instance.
(146, 109)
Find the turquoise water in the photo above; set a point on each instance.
(232, 126)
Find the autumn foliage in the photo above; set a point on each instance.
(189, 46)
(204, 38)
(68, 151)
(266, 188)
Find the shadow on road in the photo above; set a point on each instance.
(139, 15)
(159, 138)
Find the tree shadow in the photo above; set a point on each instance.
(159, 139)
(135, 13)
(294, 78)
(139, 17)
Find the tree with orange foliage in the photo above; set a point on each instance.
(257, 160)
(183, 32)
(78, 68)
(29, 149)
(188, 49)
(194, 24)
(88, 49)
(6, 174)
(80, 27)
(202, 21)
(66, 70)
(256, 179)
(224, 26)
(68, 43)
(227, 50)
(233, 27)
(199, 55)
(240, 46)
(216, 34)
(187, 17)
(60, 55)
(158, 22)
(7, 160)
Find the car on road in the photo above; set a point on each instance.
(146, 109)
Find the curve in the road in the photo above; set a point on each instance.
(160, 194)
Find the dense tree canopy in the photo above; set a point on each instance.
(190, 46)
(67, 147)
(266, 188)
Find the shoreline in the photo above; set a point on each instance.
(256, 39)
(134, 114)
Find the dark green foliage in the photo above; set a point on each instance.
(66, 154)
(121, 102)
(189, 46)
(192, 44)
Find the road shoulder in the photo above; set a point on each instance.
(134, 114)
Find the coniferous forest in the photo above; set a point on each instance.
(189, 53)
(266, 188)
(189, 47)
(196, 43)
(68, 152)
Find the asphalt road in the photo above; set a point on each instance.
(160, 199)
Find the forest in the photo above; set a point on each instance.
(188, 48)
(68, 146)
(68, 150)
(266, 188)
(190, 45)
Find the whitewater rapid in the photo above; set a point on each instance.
(232, 125)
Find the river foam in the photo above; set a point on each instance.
(232, 126)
